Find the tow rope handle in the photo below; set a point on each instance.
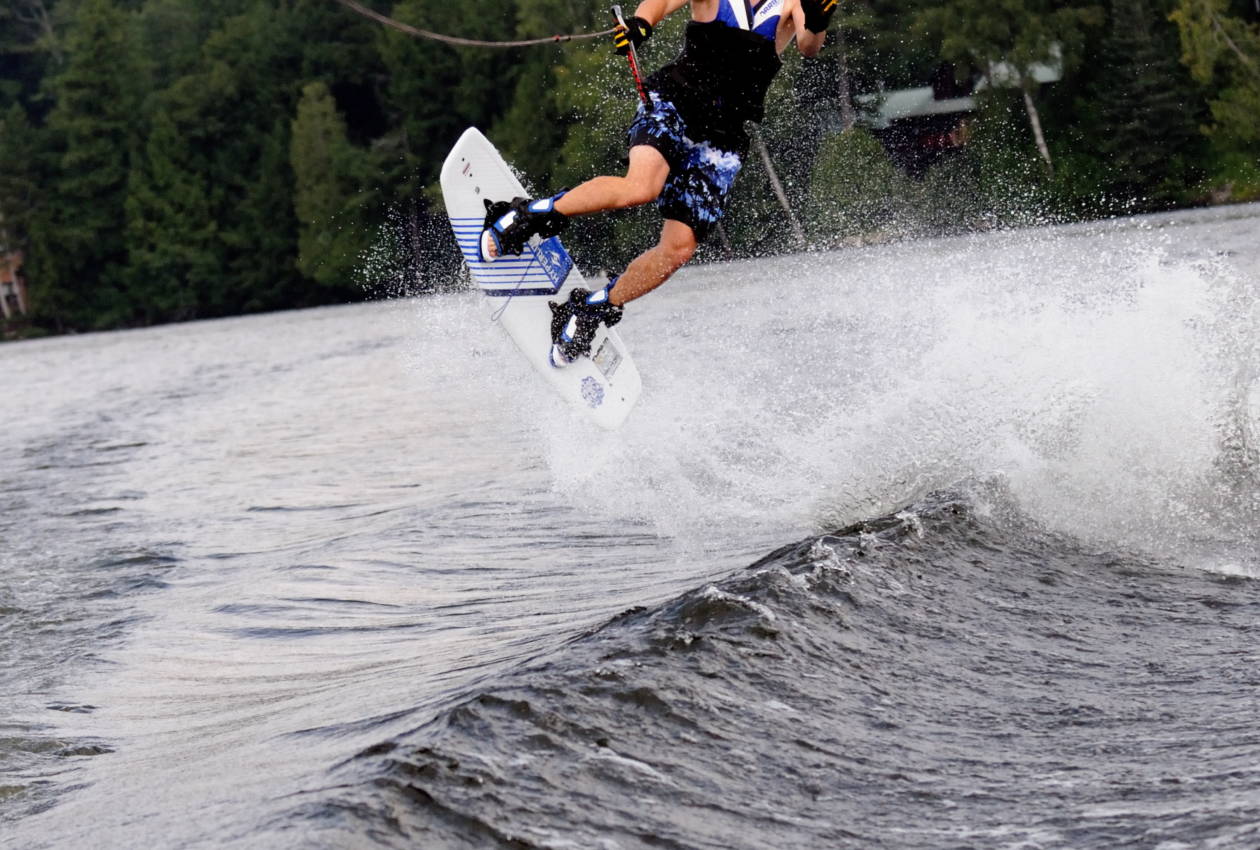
(633, 57)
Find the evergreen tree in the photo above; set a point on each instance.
(171, 34)
(231, 114)
(28, 46)
(536, 122)
(328, 199)
(533, 128)
(1148, 131)
(20, 177)
(260, 269)
(79, 249)
(341, 51)
(171, 232)
(434, 90)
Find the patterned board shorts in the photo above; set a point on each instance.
(700, 173)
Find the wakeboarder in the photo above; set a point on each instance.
(687, 144)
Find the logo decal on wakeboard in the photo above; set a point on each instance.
(592, 391)
(554, 260)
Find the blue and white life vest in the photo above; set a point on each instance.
(720, 79)
(762, 18)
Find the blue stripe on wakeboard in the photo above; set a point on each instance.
(505, 260)
(495, 268)
(471, 252)
(504, 293)
(499, 264)
(477, 265)
(490, 271)
(470, 247)
(521, 270)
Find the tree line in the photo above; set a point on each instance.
(164, 160)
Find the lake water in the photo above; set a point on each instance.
(950, 543)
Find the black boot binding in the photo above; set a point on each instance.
(511, 224)
(574, 322)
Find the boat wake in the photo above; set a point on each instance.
(947, 675)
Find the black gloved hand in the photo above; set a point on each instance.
(636, 31)
(818, 14)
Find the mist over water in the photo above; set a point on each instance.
(266, 579)
(1106, 373)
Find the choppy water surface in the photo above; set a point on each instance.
(944, 544)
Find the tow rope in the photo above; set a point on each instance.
(463, 42)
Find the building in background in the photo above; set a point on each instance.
(920, 126)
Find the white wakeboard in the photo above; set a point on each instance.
(605, 385)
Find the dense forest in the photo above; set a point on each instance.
(163, 160)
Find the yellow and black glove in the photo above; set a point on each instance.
(818, 14)
(636, 31)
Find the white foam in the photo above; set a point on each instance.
(1093, 369)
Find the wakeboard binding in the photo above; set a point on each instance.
(574, 322)
(509, 225)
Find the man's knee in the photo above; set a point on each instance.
(645, 179)
(679, 245)
(643, 192)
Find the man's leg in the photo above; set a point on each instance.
(655, 265)
(642, 184)
(575, 322)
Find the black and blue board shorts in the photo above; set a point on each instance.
(701, 173)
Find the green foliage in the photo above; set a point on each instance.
(28, 45)
(1237, 174)
(170, 34)
(79, 250)
(435, 91)
(19, 176)
(1007, 40)
(853, 189)
(1236, 116)
(1211, 37)
(173, 159)
(1020, 33)
(1148, 111)
(259, 270)
(541, 111)
(328, 172)
(883, 45)
(1223, 53)
(172, 234)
